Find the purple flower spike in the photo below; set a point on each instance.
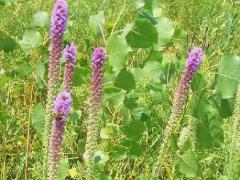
(59, 19)
(70, 55)
(58, 24)
(194, 60)
(61, 110)
(99, 55)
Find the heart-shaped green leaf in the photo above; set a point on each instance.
(31, 39)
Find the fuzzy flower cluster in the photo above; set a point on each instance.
(99, 56)
(62, 104)
(70, 56)
(61, 110)
(194, 60)
(59, 19)
(58, 24)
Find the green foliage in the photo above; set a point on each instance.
(31, 39)
(96, 22)
(7, 2)
(147, 42)
(7, 44)
(39, 75)
(134, 130)
(114, 95)
(125, 80)
(40, 19)
(80, 75)
(227, 81)
(38, 116)
(63, 169)
(142, 35)
(117, 51)
(23, 69)
(111, 131)
(165, 31)
(189, 164)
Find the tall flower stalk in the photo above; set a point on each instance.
(194, 60)
(70, 54)
(99, 55)
(61, 110)
(58, 24)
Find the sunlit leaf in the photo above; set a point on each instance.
(119, 153)
(96, 22)
(125, 80)
(114, 95)
(40, 19)
(228, 78)
(63, 169)
(38, 117)
(108, 132)
(165, 30)
(118, 50)
(138, 3)
(23, 69)
(189, 165)
(134, 130)
(31, 39)
(142, 35)
(153, 69)
(157, 8)
(39, 75)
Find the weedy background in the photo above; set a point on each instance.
(138, 89)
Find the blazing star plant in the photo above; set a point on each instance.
(70, 55)
(58, 24)
(61, 110)
(194, 60)
(98, 58)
